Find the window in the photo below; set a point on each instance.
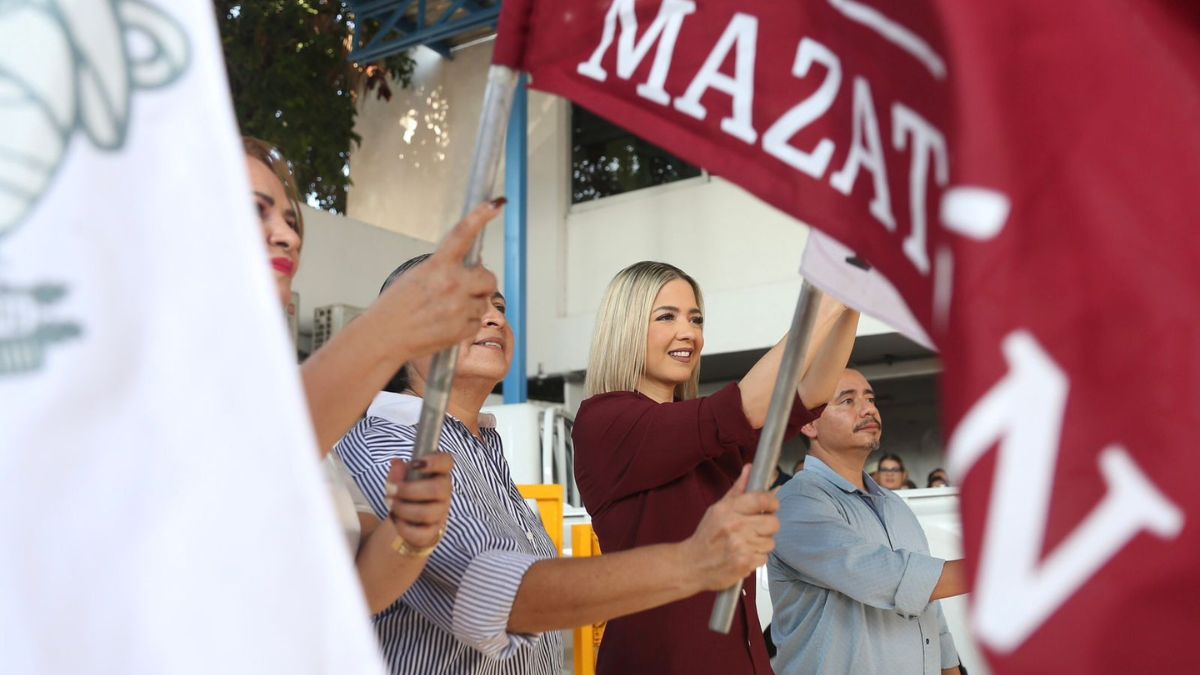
(606, 160)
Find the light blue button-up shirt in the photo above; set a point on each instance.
(850, 581)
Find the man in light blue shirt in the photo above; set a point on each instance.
(852, 582)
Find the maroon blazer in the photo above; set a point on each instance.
(647, 472)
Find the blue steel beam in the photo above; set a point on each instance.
(366, 7)
(516, 245)
(450, 11)
(397, 32)
(394, 12)
(388, 13)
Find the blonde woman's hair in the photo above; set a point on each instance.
(618, 355)
(268, 154)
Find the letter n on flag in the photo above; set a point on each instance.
(1025, 174)
(161, 509)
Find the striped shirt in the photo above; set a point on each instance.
(454, 618)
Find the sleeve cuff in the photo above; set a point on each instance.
(484, 603)
(921, 574)
(949, 651)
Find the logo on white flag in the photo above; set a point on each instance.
(66, 68)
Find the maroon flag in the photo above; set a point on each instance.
(1025, 173)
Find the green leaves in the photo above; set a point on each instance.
(294, 85)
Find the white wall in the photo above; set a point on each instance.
(410, 174)
(345, 261)
(411, 170)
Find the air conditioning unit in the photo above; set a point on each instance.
(330, 320)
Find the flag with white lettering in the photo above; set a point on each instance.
(1024, 174)
(161, 508)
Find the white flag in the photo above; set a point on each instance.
(836, 270)
(161, 509)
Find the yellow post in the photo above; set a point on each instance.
(549, 499)
(587, 638)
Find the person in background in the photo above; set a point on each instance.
(853, 586)
(891, 474)
(778, 478)
(340, 378)
(651, 455)
(493, 594)
(937, 478)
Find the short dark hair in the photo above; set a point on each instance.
(892, 456)
(404, 267)
(400, 381)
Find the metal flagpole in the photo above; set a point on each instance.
(767, 454)
(489, 148)
(516, 250)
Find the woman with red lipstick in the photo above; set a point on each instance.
(650, 455)
(429, 311)
(435, 309)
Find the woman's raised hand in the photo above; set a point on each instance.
(440, 302)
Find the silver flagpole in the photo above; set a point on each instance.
(489, 148)
(767, 455)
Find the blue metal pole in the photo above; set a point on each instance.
(516, 179)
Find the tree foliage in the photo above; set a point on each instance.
(294, 85)
(608, 160)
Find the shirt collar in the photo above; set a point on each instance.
(405, 410)
(822, 469)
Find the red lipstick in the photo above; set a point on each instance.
(284, 266)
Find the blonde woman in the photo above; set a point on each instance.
(651, 456)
